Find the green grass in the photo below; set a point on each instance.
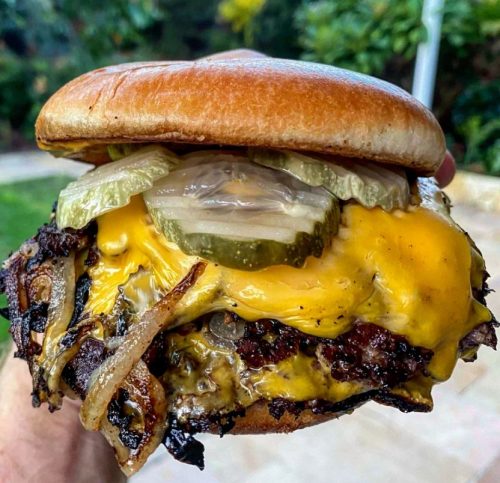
(4, 327)
(24, 206)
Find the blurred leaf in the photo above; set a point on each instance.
(492, 158)
(240, 15)
(362, 35)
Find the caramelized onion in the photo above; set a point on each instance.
(50, 365)
(224, 330)
(112, 343)
(222, 325)
(148, 394)
(109, 376)
(112, 435)
(148, 398)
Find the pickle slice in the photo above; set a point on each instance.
(111, 185)
(241, 215)
(368, 183)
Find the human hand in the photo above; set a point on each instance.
(446, 171)
(36, 445)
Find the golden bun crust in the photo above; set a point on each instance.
(247, 99)
(257, 420)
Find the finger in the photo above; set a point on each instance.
(446, 171)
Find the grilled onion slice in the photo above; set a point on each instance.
(147, 403)
(110, 375)
(49, 366)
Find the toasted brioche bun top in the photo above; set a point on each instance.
(242, 98)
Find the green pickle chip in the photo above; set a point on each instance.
(368, 183)
(111, 185)
(228, 210)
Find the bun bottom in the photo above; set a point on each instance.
(258, 420)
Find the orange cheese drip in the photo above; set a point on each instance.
(409, 272)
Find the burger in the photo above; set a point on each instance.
(260, 247)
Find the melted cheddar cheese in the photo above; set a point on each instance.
(214, 379)
(409, 272)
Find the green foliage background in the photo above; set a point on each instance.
(45, 43)
(24, 206)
